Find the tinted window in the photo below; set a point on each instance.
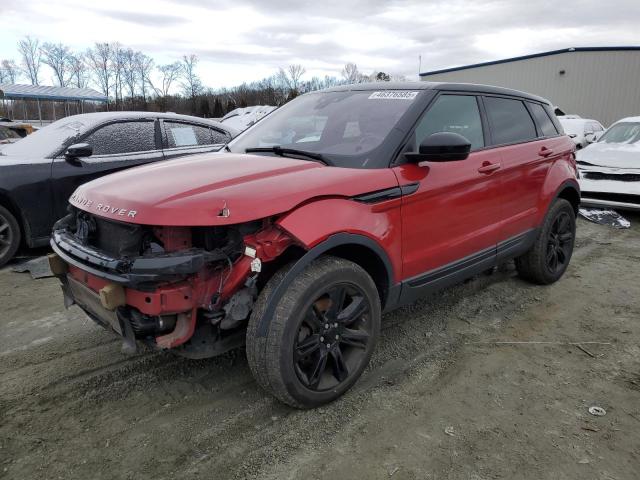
(510, 121)
(452, 113)
(189, 135)
(123, 137)
(545, 125)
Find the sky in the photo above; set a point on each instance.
(245, 40)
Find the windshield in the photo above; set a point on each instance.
(622, 133)
(46, 141)
(344, 127)
(7, 134)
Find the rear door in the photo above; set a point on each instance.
(527, 149)
(184, 138)
(116, 146)
(450, 210)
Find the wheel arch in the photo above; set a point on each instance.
(570, 192)
(357, 248)
(7, 202)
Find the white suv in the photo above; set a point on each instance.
(582, 131)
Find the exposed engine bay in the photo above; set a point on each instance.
(191, 289)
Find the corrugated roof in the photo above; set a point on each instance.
(533, 55)
(43, 92)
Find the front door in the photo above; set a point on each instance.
(450, 223)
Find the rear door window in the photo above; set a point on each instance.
(122, 138)
(509, 120)
(452, 113)
(179, 134)
(545, 125)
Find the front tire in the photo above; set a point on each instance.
(321, 336)
(9, 236)
(549, 257)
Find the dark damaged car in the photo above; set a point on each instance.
(41, 171)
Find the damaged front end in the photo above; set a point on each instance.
(190, 289)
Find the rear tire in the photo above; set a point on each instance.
(549, 257)
(321, 336)
(9, 236)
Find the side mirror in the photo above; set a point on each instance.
(590, 137)
(441, 147)
(78, 150)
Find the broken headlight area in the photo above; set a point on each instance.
(190, 288)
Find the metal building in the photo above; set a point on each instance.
(593, 82)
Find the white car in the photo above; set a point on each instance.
(243, 118)
(582, 131)
(610, 168)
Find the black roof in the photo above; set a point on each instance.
(533, 55)
(443, 86)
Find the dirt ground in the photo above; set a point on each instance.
(490, 379)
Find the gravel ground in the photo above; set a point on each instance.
(490, 379)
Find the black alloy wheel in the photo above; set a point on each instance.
(9, 236)
(559, 243)
(332, 338)
(548, 258)
(321, 334)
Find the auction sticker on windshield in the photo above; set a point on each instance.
(393, 95)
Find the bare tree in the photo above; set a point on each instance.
(117, 67)
(351, 74)
(191, 83)
(78, 70)
(130, 71)
(169, 73)
(57, 57)
(29, 49)
(291, 77)
(9, 72)
(144, 67)
(98, 59)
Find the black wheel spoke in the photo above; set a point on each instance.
(308, 346)
(337, 296)
(353, 311)
(560, 253)
(314, 318)
(554, 260)
(355, 338)
(563, 224)
(319, 367)
(550, 253)
(340, 370)
(565, 237)
(3, 227)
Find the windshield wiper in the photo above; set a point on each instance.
(278, 150)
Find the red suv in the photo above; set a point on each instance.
(339, 206)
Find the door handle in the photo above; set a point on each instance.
(545, 152)
(488, 167)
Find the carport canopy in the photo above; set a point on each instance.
(41, 92)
